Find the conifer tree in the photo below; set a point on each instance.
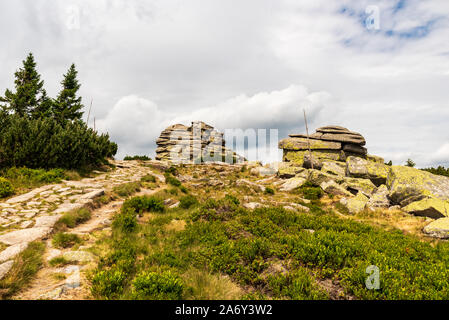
(67, 106)
(29, 94)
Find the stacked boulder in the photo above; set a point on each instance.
(327, 143)
(195, 144)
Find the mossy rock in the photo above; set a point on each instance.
(303, 144)
(433, 208)
(361, 168)
(317, 177)
(408, 185)
(438, 228)
(356, 204)
(359, 185)
(334, 167)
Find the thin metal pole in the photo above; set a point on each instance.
(88, 115)
(308, 141)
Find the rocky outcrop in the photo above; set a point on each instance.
(356, 204)
(195, 144)
(327, 143)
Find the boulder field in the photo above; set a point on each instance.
(343, 167)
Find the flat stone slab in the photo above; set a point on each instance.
(93, 194)
(24, 236)
(5, 267)
(47, 221)
(12, 251)
(28, 196)
(67, 207)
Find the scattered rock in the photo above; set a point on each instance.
(28, 196)
(361, 168)
(292, 184)
(255, 186)
(356, 185)
(438, 228)
(262, 171)
(379, 200)
(253, 205)
(356, 204)
(433, 208)
(331, 187)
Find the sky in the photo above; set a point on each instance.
(380, 68)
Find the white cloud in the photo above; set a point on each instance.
(135, 123)
(232, 63)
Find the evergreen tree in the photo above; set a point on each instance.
(29, 93)
(410, 163)
(67, 106)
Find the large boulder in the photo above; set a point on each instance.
(356, 204)
(334, 167)
(317, 177)
(292, 184)
(331, 187)
(438, 228)
(360, 168)
(408, 185)
(287, 170)
(379, 200)
(356, 185)
(428, 207)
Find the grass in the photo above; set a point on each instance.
(26, 265)
(73, 218)
(58, 262)
(127, 189)
(65, 240)
(140, 158)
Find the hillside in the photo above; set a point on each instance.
(148, 230)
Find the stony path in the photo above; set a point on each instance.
(32, 216)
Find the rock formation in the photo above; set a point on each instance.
(327, 143)
(195, 144)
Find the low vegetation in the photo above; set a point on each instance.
(26, 265)
(65, 240)
(75, 217)
(140, 158)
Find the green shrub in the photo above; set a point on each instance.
(160, 286)
(269, 190)
(44, 143)
(148, 178)
(65, 240)
(6, 188)
(172, 171)
(188, 201)
(172, 180)
(183, 189)
(108, 283)
(144, 203)
(310, 191)
(140, 158)
(126, 220)
(73, 218)
(232, 199)
(127, 189)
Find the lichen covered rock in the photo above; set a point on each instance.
(408, 185)
(438, 228)
(356, 204)
(361, 168)
(429, 207)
